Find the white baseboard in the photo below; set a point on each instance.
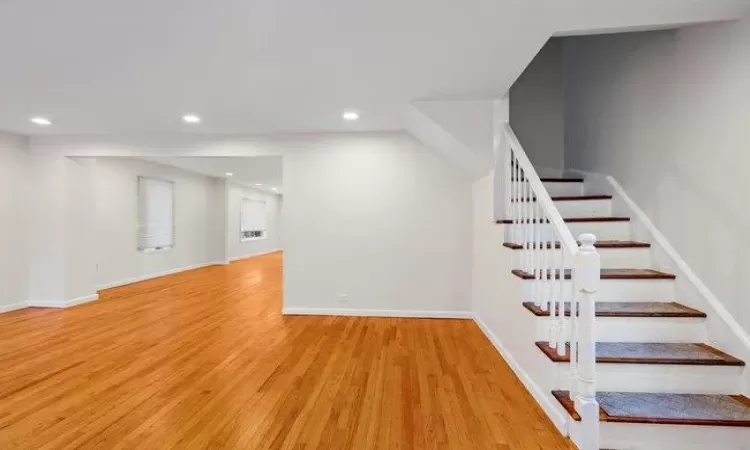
(62, 303)
(543, 398)
(138, 279)
(377, 313)
(237, 258)
(13, 307)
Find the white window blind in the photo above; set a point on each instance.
(155, 214)
(253, 218)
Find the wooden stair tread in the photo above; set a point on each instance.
(610, 274)
(667, 409)
(598, 244)
(561, 180)
(651, 353)
(627, 309)
(574, 220)
(565, 198)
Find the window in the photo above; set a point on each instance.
(253, 219)
(155, 214)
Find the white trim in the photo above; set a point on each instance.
(13, 307)
(377, 313)
(253, 255)
(712, 300)
(63, 303)
(558, 418)
(670, 251)
(138, 279)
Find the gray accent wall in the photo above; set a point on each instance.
(536, 109)
(668, 115)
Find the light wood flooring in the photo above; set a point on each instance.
(204, 359)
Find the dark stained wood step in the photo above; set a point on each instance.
(598, 244)
(651, 353)
(557, 180)
(628, 309)
(567, 198)
(572, 220)
(561, 180)
(667, 409)
(610, 274)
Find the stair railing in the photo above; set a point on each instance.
(536, 224)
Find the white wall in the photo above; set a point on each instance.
(377, 217)
(666, 114)
(80, 218)
(536, 108)
(497, 302)
(238, 249)
(373, 215)
(118, 258)
(14, 226)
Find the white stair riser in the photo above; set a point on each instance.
(645, 290)
(633, 329)
(584, 208)
(574, 208)
(626, 436)
(660, 378)
(611, 258)
(557, 189)
(603, 231)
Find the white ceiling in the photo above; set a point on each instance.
(248, 171)
(264, 66)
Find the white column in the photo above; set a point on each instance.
(217, 239)
(62, 264)
(500, 116)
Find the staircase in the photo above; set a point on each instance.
(657, 384)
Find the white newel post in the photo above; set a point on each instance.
(587, 274)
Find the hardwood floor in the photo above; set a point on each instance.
(204, 359)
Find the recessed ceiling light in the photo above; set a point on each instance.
(274, 189)
(350, 115)
(41, 121)
(191, 118)
(229, 174)
(258, 184)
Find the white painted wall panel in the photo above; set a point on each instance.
(238, 249)
(666, 114)
(116, 194)
(379, 218)
(14, 222)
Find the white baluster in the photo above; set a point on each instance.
(563, 331)
(507, 168)
(549, 291)
(587, 274)
(518, 205)
(513, 200)
(538, 226)
(530, 239)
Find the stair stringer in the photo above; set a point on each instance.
(498, 310)
(722, 329)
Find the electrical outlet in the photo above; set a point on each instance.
(343, 297)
